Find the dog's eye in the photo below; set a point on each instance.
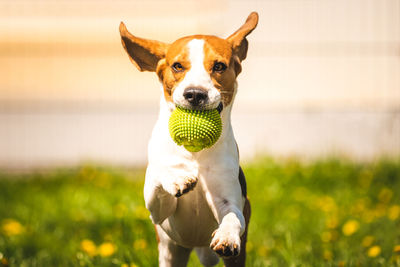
(177, 67)
(219, 67)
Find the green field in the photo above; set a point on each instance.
(323, 213)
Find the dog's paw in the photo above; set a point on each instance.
(225, 243)
(184, 186)
(181, 186)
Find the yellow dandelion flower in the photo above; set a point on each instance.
(332, 222)
(385, 195)
(350, 227)
(380, 210)
(89, 247)
(374, 251)
(334, 235)
(140, 244)
(393, 212)
(262, 251)
(12, 227)
(326, 237)
(368, 216)
(367, 241)
(4, 261)
(142, 213)
(120, 210)
(341, 263)
(326, 204)
(328, 255)
(106, 249)
(130, 265)
(360, 205)
(396, 249)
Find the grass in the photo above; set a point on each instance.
(324, 213)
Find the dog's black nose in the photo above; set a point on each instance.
(195, 96)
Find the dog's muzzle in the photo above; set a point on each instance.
(197, 98)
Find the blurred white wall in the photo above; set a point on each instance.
(321, 77)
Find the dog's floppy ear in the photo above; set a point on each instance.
(144, 54)
(238, 39)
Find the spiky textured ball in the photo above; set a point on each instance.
(195, 129)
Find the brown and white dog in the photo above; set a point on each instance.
(197, 200)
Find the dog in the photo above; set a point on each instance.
(197, 200)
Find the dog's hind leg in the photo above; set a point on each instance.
(240, 260)
(170, 254)
(206, 256)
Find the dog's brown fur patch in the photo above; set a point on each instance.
(215, 50)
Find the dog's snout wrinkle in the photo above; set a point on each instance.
(195, 96)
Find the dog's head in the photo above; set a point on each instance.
(197, 72)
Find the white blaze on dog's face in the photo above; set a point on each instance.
(196, 78)
(197, 72)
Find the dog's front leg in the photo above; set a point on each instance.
(226, 239)
(161, 190)
(160, 203)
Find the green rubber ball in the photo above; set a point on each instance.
(195, 129)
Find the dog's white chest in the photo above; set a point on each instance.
(193, 222)
(191, 218)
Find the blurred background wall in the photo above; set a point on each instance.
(321, 77)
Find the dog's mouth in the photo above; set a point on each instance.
(219, 108)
